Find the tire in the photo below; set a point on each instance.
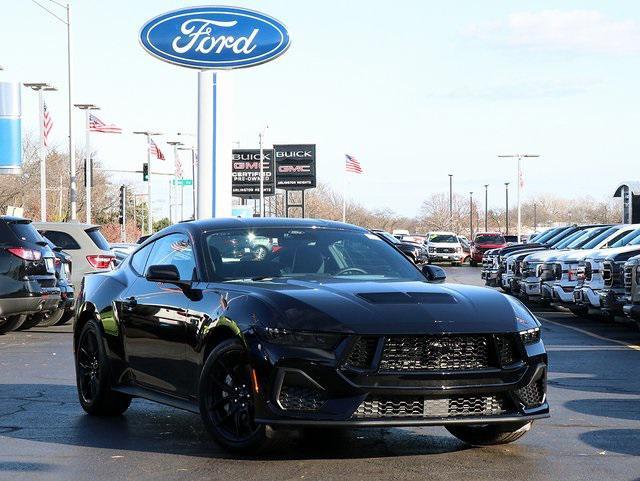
(52, 318)
(12, 323)
(30, 321)
(473, 263)
(455, 264)
(226, 401)
(579, 311)
(93, 376)
(489, 434)
(66, 317)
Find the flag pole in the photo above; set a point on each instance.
(344, 196)
(43, 165)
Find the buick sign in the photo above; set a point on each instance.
(214, 37)
(295, 166)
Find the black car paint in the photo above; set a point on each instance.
(27, 286)
(158, 336)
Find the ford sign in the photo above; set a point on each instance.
(214, 37)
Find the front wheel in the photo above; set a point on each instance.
(489, 434)
(579, 311)
(92, 376)
(226, 400)
(473, 263)
(11, 323)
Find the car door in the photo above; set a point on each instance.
(155, 315)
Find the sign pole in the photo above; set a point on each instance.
(149, 207)
(87, 167)
(43, 165)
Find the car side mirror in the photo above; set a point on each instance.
(434, 274)
(167, 273)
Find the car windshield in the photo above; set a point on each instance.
(549, 234)
(444, 239)
(584, 237)
(263, 253)
(560, 236)
(25, 231)
(632, 238)
(389, 237)
(490, 239)
(601, 237)
(569, 239)
(98, 239)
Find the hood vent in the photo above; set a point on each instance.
(408, 298)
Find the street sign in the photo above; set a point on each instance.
(246, 173)
(214, 37)
(295, 166)
(183, 182)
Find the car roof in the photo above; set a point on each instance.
(64, 225)
(204, 225)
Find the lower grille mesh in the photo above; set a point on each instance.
(420, 407)
(533, 394)
(294, 398)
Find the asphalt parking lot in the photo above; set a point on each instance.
(593, 434)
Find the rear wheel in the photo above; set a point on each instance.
(579, 310)
(52, 318)
(92, 376)
(66, 317)
(226, 400)
(489, 434)
(12, 323)
(473, 263)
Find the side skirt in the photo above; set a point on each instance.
(158, 397)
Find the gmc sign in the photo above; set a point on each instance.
(295, 166)
(246, 173)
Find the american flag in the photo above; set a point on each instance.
(97, 125)
(178, 170)
(352, 165)
(155, 150)
(47, 124)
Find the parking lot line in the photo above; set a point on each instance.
(634, 347)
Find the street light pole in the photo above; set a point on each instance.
(88, 165)
(486, 207)
(176, 161)
(73, 188)
(148, 135)
(193, 177)
(451, 202)
(40, 87)
(506, 209)
(470, 215)
(519, 157)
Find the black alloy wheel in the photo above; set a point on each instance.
(92, 379)
(11, 323)
(226, 400)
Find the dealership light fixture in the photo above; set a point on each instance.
(519, 157)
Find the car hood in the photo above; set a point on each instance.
(542, 256)
(443, 244)
(489, 246)
(370, 307)
(575, 255)
(602, 254)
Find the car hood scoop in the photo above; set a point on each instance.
(408, 298)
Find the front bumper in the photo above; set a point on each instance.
(438, 257)
(632, 311)
(563, 294)
(612, 301)
(586, 297)
(330, 393)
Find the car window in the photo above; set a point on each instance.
(174, 249)
(605, 234)
(61, 239)
(98, 239)
(304, 252)
(139, 258)
(24, 231)
(489, 239)
(630, 238)
(444, 238)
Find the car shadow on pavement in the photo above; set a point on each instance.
(609, 408)
(150, 427)
(620, 441)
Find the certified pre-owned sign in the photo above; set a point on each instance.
(214, 37)
(295, 166)
(246, 173)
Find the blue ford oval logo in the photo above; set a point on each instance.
(214, 37)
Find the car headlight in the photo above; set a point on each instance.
(530, 336)
(298, 338)
(637, 270)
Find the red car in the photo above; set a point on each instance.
(482, 242)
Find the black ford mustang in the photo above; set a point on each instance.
(331, 327)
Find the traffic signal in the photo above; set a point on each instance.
(145, 172)
(123, 205)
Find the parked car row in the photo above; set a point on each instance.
(41, 263)
(584, 268)
(437, 246)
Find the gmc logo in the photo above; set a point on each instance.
(294, 169)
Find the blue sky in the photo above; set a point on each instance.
(415, 91)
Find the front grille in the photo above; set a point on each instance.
(362, 353)
(445, 250)
(421, 407)
(607, 274)
(428, 353)
(533, 394)
(557, 271)
(47, 282)
(296, 398)
(628, 279)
